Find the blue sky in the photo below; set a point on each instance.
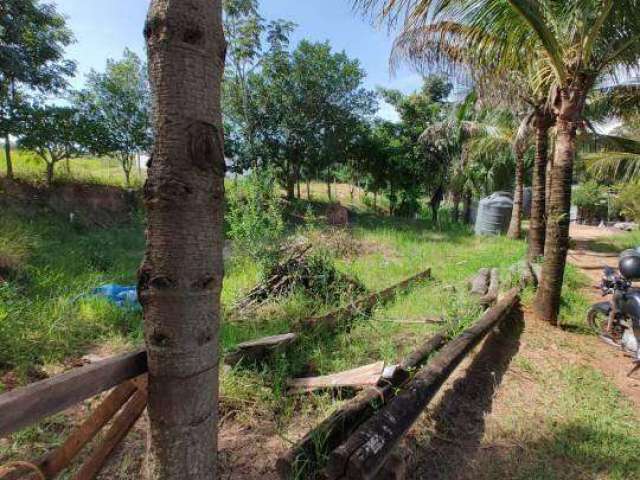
(104, 28)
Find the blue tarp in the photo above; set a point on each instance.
(124, 296)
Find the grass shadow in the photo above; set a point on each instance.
(459, 418)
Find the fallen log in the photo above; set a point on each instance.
(256, 350)
(480, 283)
(365, 452)
(491, 296)
(332, 319)
(340, 424)
(116, 433)
(368, 375)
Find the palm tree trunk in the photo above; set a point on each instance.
(181, 276)
(547, 304)
(537, 222)
(515, 226)
(455, 212)
(50, 172)
(7, 156)
(466, 207)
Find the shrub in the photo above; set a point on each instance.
(628, 201)
(254, 217)
(592, 201)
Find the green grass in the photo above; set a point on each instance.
(52, 262)
(105, 170)
(590, 430)
(617, 243)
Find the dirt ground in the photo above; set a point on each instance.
(614, 364)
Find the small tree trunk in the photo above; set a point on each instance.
(7, 156)
(537, 223)
(466, 207)
(515, 227)
(547, 302)
(181, 277)
(547, 187)
(455, 212)
(291, 187)
(328, 186)
(308, 189)
(49, 173)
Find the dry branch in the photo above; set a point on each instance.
(341, 423)
(365, 452)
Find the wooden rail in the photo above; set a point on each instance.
(25, 406)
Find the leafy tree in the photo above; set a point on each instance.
(117, 102)
(53, 133)
(417, 167)
(250, 37)
(571, 42)
(33, 36)
(307, 105)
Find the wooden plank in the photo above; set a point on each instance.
(25, 406)
(340, 424)
(365, 452)
(255, 350)
(61, 458)
(118, 430)
(368, 375)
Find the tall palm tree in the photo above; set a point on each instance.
(446, 45)
(582, 40)
(181, 277)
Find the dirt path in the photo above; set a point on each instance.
(614, 364)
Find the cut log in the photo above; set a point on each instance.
(364, 304)
(256, 350)
(480, 283)
(491, 296)
(365, 452)
(340, 424)
(366, 376)
(118, 430)
(22, 407)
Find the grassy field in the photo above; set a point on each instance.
(28, 166)
(46, 323)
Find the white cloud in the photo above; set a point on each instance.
(387, 112)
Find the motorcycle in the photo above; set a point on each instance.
(617, 322)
